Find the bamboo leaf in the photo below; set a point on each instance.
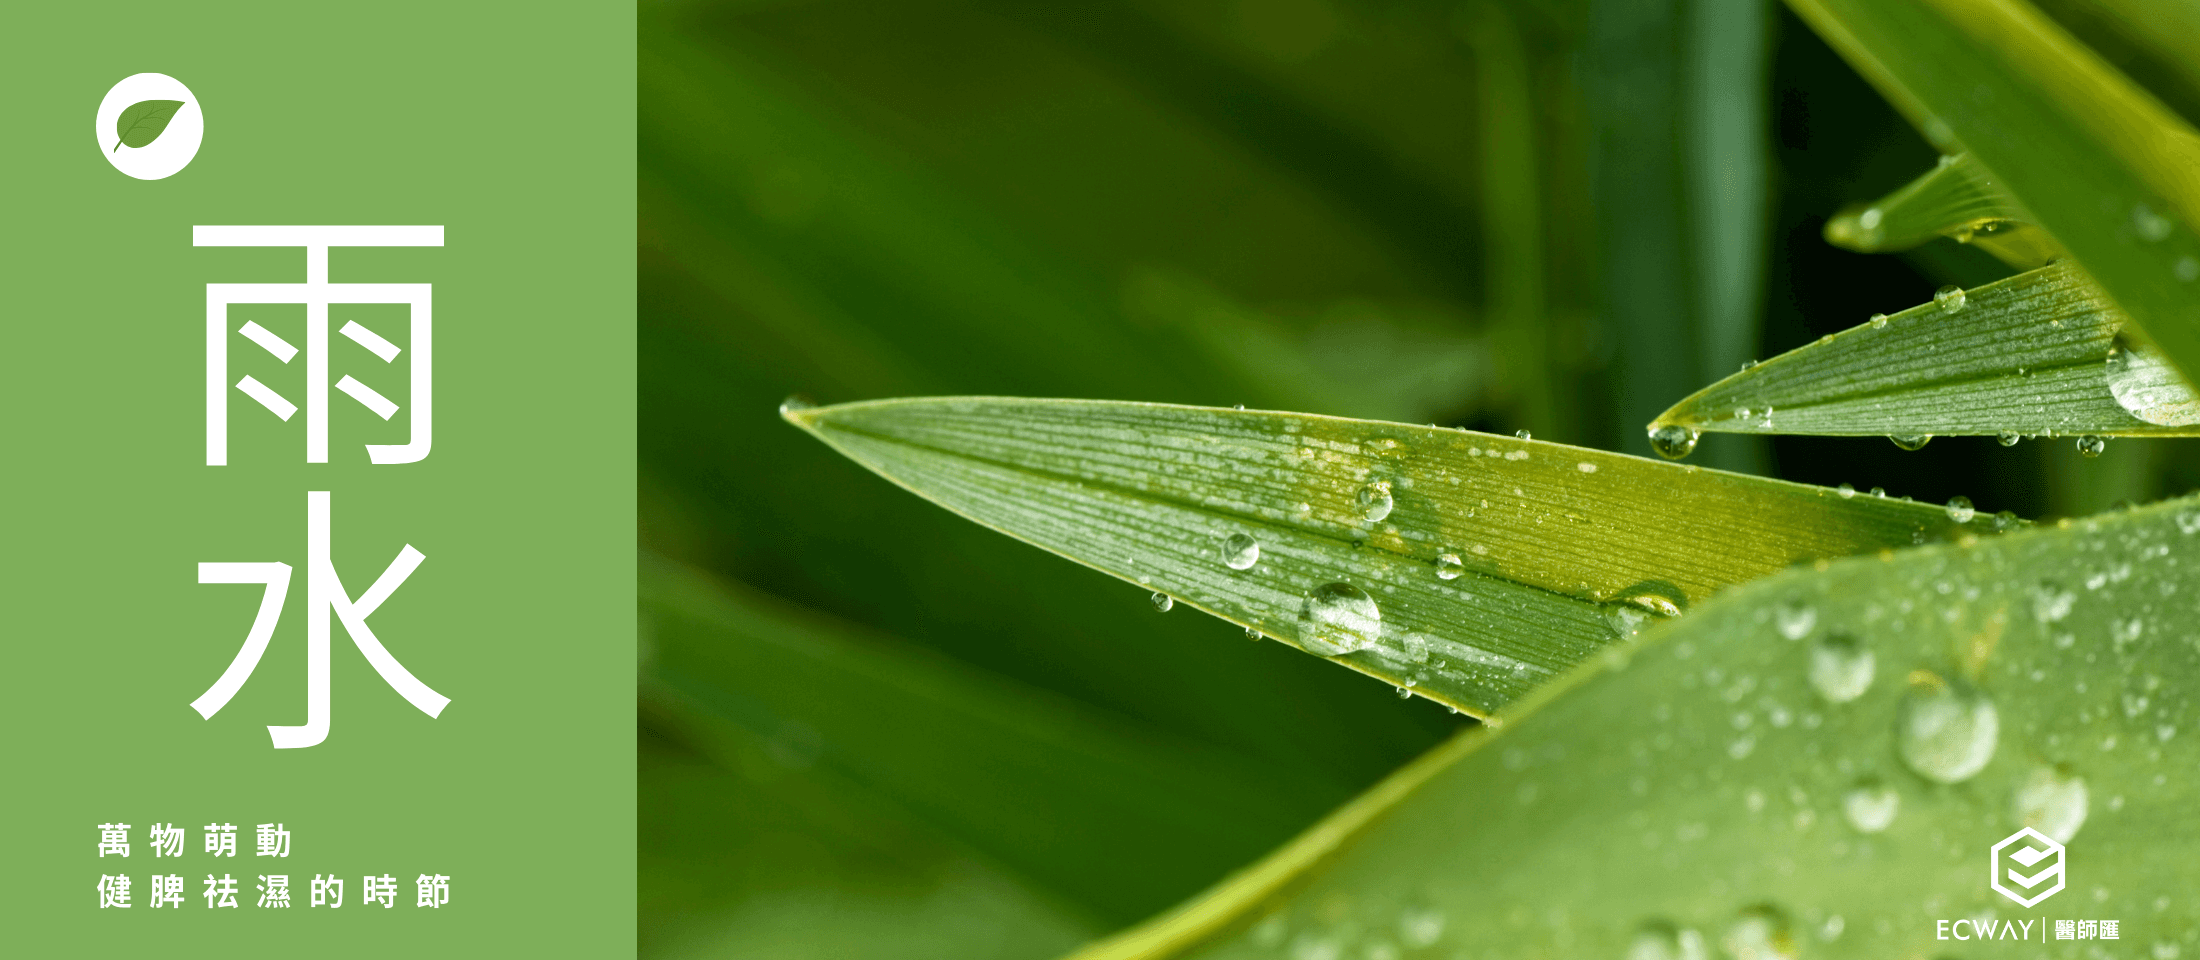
(2039, 354)
(1796, 769)
(2103, 166)
(1464, 567)
(1956, 199)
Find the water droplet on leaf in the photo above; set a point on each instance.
(1878, 320)
(1841, 667)
(1240, 552)
(1448, 566)
(2148, 388)
(1673, 441)
(2091, 446)
(2008, 438)
(2051, 801)
(1374, 500)
(1339, 618)
(1871, 806)
(1946, 731)
(1911, 441)
(1960, 509)
(1162, 602)
(1795, 619)
(1949, 298)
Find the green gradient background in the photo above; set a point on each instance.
(513, 131)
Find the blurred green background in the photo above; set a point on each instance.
(870, 728)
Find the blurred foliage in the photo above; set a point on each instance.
(1558, 215)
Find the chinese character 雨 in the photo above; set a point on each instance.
(113, 891)
(327, 891)
(167, 890)
(166, 840)
(383, 888)
(274, 840)
(274, 890)
(435, 890)
(114, 838)
(325, 595)
(316, 294)
(225, 889)
(221, 839)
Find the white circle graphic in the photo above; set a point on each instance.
(169, 152)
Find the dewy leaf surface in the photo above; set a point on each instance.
(143, 122)
(1555, 550)
(2105, 168)
(2035, 354)
(1815, 765)
(1957, 199)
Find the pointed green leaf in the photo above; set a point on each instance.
(143, 122)
(2038, 354)
(2112, 174)
(1817, 765)
(1464, 567)
(1958, 199)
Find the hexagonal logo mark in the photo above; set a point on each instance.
(2023, 863)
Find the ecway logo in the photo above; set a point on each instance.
(2018, 860)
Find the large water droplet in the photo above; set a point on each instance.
(1911, 441)
(2008, 438)
(2052, 801)
(1960, 509)
(1240, 552)
(1659, 940)
(1523, 434)
(1841, 667)
(1949, 298)
(1339, 618)
(1795, 619)
(1162, 602)
(2148, 388)
(1374, 500)
(1674, 441)
(2091, 446)
(1870, 807)
(1761, 932)
(1449, 567)
(1946, 731)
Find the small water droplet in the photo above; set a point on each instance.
(2187, 269)
(1946, 731)
(1673, 441)
(1661, 940)
(1746, 364)
(1911, 441)
(1523, 434)
(2006, 521)
(1240, 552)
(2151, 226)
(1845, 491)
(2090, 446)
(1237, 406)
(796, 403)
(1253, 634)
(2148, 388)
(1449, 567)
(1960, 509)
(1405, 693)
(1795, 619)
(1879, 491)
(1421, 926)
(2051, 801)
(2008, 438)
(1162, 602)
(2051, 603)
(1949, 298)
(1374, 500)
(1762, 932)
(1878, 320)
(1870, 807)
(1841, 667)
(1338, 618)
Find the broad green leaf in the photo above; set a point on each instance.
(1957, 199)
(998, 766)
(1817, 765)
(1463, 567)
(2107, 170)
(2038, 354)
(142, 122)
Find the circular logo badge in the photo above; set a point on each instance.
(149, 126)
